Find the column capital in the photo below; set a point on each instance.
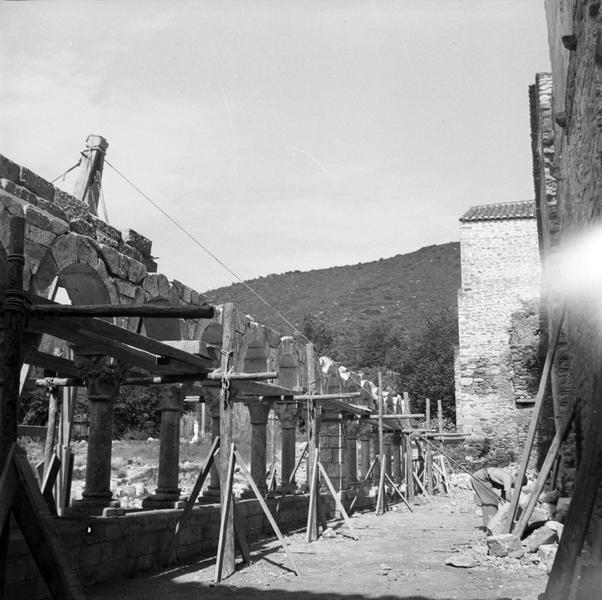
(287, 413)
(170, 397)
(352, 428)
(365, 430)
(211, 395)
(388, 438)
(102, 378)
(396, 438)
(259, 410)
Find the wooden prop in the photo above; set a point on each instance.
(48, 484)
(360, 488)
(578, 520)
(541, 392)
(226, 515)
(409, 466)
(241, 534)
(266, 510)
(442, 475)
(545, 468)
(21, 496)
(311, 513)
(440, 415)
(272, 479)
(337, 502)
(421, 486)
(51, 426)
(399, 492)
(194, 494)
(226, 410)
(381, 502)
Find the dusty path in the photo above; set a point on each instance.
(400, 555)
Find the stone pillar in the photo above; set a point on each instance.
(365, 432)
(171, 404)
(212, 493)
(396, 441)
(287, 413)
(102, 382)
(352, 427)
(388, 442)
(258, 411)
(375, 453)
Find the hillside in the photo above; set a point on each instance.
(402, 290)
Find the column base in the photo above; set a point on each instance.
(161, 501)
(92, 506)
(210, 496)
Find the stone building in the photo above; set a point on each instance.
(498, 322)
(566, 120)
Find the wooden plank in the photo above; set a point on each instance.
(194, 494)
(539, 398)
(226, 410)
(338, 502)
(122, 310)
(545, 468)
(32, 516)
(380, 502)
(266, 510)
(341, 396)
(399, 416)
(399, 493)
(312, 526)
(241, 533)
(360, 488)
(226, 516)
(62, 366)
(50, 473)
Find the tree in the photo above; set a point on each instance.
(426, 369)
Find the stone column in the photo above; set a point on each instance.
(102, 382)
(396, 441)
(258, 411)
(365, 432)
(375, 453)
(212, 493)
(287, 413)
(171, 404)
(352, 427)
(388, 442)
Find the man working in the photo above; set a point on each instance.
(490, 484)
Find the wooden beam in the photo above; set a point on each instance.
(218, 375)
(122, 310)
(62, 366)
(381, 502)
(226, 410)
(397, 416)
(541, 392)
(225, 549)
(545, 468)
(318, 397)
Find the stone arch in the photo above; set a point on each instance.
(288, 365)
(162, 329)
(253, 356)
(83, 284)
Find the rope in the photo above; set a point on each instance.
(67, 171)
(204, 248)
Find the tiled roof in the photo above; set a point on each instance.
(504, 210)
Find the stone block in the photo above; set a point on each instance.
(131, 252)
(562, 509)
(551, 497)
(82, 227)
(139, 242)
(73, 208)
(51, 208)
(503, 544)
(36, 184)
(538, 537)
(18, 191)
(546, 553)
(9, 169)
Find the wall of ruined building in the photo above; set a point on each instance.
(577, 114)
(500, 277)
(102, 548)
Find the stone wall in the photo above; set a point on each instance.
(101, 548)
(575, 39)
(500, 277)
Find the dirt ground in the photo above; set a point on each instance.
(399, 555)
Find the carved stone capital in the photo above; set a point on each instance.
(352, 427)
(397, 438)
(388, 438)
(170, 397)
(365, 431)
(102, 378)
(212, 396)
(287, 413)
(259, 410)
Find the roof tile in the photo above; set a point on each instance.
(503, 210)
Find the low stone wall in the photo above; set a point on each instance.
(101, 548)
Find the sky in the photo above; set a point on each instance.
(282, 135)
